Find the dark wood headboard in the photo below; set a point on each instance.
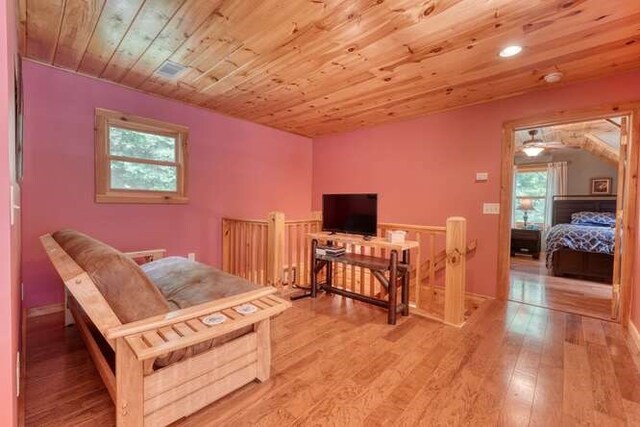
(564, 206)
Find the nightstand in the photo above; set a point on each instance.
(525, 242)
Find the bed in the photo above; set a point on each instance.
(154, 331)
(581, 242)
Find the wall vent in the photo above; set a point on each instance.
(170, 69)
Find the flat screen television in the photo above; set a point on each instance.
(350, 213)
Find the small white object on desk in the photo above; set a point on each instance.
(246, 309)
(396, 236)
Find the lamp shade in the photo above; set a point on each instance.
(526, 205)
(532, 151)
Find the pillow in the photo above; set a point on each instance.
(602, 219)
(128, 291)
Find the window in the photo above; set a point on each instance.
(530, 184)
(139, 160)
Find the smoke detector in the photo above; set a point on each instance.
(170, 69)
(553, 77)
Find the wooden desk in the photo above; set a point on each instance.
(398, 269)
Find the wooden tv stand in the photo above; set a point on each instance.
(399, 269)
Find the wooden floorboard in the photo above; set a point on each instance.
(337, 362)
(532, 284)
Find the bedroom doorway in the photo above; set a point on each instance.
(568, 211)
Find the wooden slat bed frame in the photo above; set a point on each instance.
(144, 396)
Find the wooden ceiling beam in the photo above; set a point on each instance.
(601, 149)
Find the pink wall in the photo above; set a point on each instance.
(9, 244)
(424, 169)
(635, 302)
(236, 169)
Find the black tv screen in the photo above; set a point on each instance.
(350, 213)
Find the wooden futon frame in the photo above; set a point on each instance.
(147, 396)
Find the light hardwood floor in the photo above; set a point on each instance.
(337, 362)
(532, 284)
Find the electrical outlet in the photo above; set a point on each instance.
(191, 256)
(491, 208)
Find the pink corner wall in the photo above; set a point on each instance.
(236, 169)
(9, 242)
(635, 301)
(424, 169)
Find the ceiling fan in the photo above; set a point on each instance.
(533, 146)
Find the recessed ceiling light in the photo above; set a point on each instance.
(510, 51)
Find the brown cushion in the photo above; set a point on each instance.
(186, 283)
(126, 288)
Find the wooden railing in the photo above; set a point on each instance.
(267, 252)
(295, 266)
(276, 252)
(245, 247)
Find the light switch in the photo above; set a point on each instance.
(15, 206)
(482, 176)
(491, 208)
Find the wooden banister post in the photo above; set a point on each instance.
(275, 249)
(455, 271)
(317, 216)
(226, 245)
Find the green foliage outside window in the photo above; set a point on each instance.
(531, 185)
(131, 175)
(142, 176)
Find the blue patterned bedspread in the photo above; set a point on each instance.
(584, 238)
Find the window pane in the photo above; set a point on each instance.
(142, 145)
(531, 184)
(142, 176)
(535, 216)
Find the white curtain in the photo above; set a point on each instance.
(556, 186)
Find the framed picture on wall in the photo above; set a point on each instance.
(600, 185)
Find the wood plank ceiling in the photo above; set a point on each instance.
(315, 67)
(599, 137)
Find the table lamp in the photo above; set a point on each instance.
(525, 206)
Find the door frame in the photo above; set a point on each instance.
(629, 232)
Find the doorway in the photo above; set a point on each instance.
(568, 209)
